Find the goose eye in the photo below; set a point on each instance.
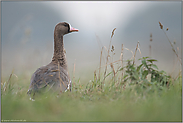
(65, 25)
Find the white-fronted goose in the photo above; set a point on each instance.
(54, 76)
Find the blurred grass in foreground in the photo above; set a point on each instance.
(127, 106)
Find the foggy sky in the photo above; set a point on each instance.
(27, 32)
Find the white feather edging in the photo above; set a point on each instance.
(68, 86)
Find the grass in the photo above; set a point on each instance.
(119, 91)
(110, 105)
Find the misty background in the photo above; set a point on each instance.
(28, 27)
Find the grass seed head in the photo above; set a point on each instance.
(161, 26)
(150, 36)
(113, 32)
(112, 48)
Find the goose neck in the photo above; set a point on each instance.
(59, 55)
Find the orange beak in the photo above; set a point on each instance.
(73, 29)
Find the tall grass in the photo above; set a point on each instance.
(121, 90)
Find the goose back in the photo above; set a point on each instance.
(52, 78)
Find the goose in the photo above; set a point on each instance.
(54, 76)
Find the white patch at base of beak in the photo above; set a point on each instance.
(70, 27)
(73, 29)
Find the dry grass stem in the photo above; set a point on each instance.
(149, 50)
(121, 58)
(74, 70)
(175, 62)
(174, 66)
(112, 68)
(161, 26)
(173, 48)
(95, 75)
(15, 76)
(140, 52)
(135, 52)
(8, 80)
(99, 42)
(109, 64)
(131, 52)
(100, 63)
(108, 52)
(150, 44)
(100, 45)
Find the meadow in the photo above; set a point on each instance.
(120, 90)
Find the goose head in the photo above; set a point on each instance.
(64, 28)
